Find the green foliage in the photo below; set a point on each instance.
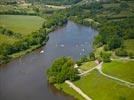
(124, 5)
(92, 56)
(98, 41)
(105, 57)
(113, 33)
(114, 42)
(57, 19)
(131, 55)
(62, 69)
(121, 52)
(9, 33)
(4, 59)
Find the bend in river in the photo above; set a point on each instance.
(25, 78)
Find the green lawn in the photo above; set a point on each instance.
(99, 87)
(20, 23)
(129, 45)
(120, 69)
(88, 65)
(64, 87)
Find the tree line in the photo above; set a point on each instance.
(39, 37)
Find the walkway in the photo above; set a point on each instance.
(78, 90)
(129, 84)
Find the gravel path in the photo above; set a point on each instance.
(129, 84)
(78, 90)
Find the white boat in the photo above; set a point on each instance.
(42, 51)
(83, 50)
(62, 45)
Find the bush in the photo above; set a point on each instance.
(83, 59)
(106, 48)
(131, 55)
(124, 5)
(62, 69)
(78, 63)
(121, 52)
(106, 57)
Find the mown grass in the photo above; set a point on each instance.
(65, 88)
(99, 87)
(88, 65)
(129, 45)
(120, 69)
(20, 23)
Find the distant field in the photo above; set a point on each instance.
(20, 23)
(120, 69)
(129, 45)
(99, 87)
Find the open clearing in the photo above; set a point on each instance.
(99, 87)
(120, 69)
(21, 23)
(88, 65)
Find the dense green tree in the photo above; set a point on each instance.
(92, 56)
(62, 69)
(114, 42)
(106, 57)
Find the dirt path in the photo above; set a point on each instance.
(78, 90)
(99, 68)
(129, 84)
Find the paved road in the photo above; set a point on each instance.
(78, 90)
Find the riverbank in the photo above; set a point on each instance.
(27, 43)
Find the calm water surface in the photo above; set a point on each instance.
(25, 78)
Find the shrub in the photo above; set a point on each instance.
(106, 57)
(121, 52)
(62, 69)
(92, 56)
(131, 55)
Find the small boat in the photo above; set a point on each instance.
(62, 45)
(83, 50)
(42, 51)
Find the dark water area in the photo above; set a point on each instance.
(25, 78)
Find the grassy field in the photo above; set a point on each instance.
(129, 45)
(20, 23)
(120, 69)
(64, 87)
(88, 65)
(99, 87)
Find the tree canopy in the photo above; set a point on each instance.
(62, 69)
